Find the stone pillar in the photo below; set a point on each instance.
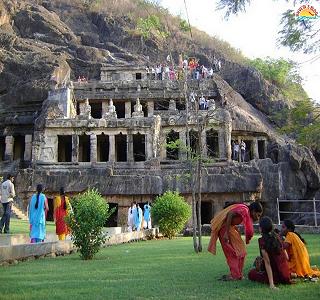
(28, 147)
(93, 148)
(112, 148)
(204, 149)
(255, 148)
(224, 138)
(130, 148)
(150, 108)
(148, 146)
(183, 150)
(128, 109)
(75, 148)
(163, 148)
(9, 148)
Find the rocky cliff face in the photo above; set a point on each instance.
(45, 40)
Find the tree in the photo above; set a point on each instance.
(89, 214)
(170, 212)
(296, 33)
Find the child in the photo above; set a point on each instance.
(276, 269)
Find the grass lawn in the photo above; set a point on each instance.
(159, 269)
(20, 226)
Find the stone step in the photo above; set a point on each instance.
(18, 213)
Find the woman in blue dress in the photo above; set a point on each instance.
(37, 218)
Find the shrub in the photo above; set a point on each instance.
(89, 213)
(170, 212)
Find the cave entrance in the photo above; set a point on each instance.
(96, 109)
(120, 109)
(262, 149)
(207, 212)
(121, 147)
(84, 148)
(2, 147)
(212, 141)
(139, 148)
(102, 148)
(18, 147)
(113, 219)
(64, 148)
(172, 153)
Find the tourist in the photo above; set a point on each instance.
(236, 150)
(137, 217)
(7, 195)
(61, 210)
(299, 261)
(37, 207)
(242, 151)
(276, 269)
(223, 226)
(130, 217)
(202, 103)
(146, 216)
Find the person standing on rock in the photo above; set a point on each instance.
(37, 208)
(223, 226)
(61, 206)
(7, 195)
(242, 151)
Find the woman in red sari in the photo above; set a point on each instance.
(61, 206)
(224, 227)
(274, 257)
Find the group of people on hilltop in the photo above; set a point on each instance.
(283, 255)
(138, 219)
(37, 211)
(192, 67)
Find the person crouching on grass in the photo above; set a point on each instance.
(223, 226)
(276, 269)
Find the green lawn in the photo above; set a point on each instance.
(160, 269)
(20, 226)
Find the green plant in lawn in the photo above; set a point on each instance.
(170, 212)
(90, 212)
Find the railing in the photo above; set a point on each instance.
(314, 212)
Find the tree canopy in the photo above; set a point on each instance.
(299, 34)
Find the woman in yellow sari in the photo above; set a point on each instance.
(299, 262)
(61, 206)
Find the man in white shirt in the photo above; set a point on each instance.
(7, 195)
(242, 151)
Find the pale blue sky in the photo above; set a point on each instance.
(253, 32)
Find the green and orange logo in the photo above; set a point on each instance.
(306, 12)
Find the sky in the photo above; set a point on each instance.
(253, 32)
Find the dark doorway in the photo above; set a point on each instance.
(18, 147)
(2, 147)
(120, 109)
(96, 110)
(64, 148)
(102, 148)
(207, 212)
(49, 216)
(194, 142)
(249, 151)
(139, 149)
(84, 148)
(172, 151)
(180, 104)
(262, 149)
(113, 219)
(121, 147)
(138, 76)
(212, 143)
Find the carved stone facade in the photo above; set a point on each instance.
(113, 135)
